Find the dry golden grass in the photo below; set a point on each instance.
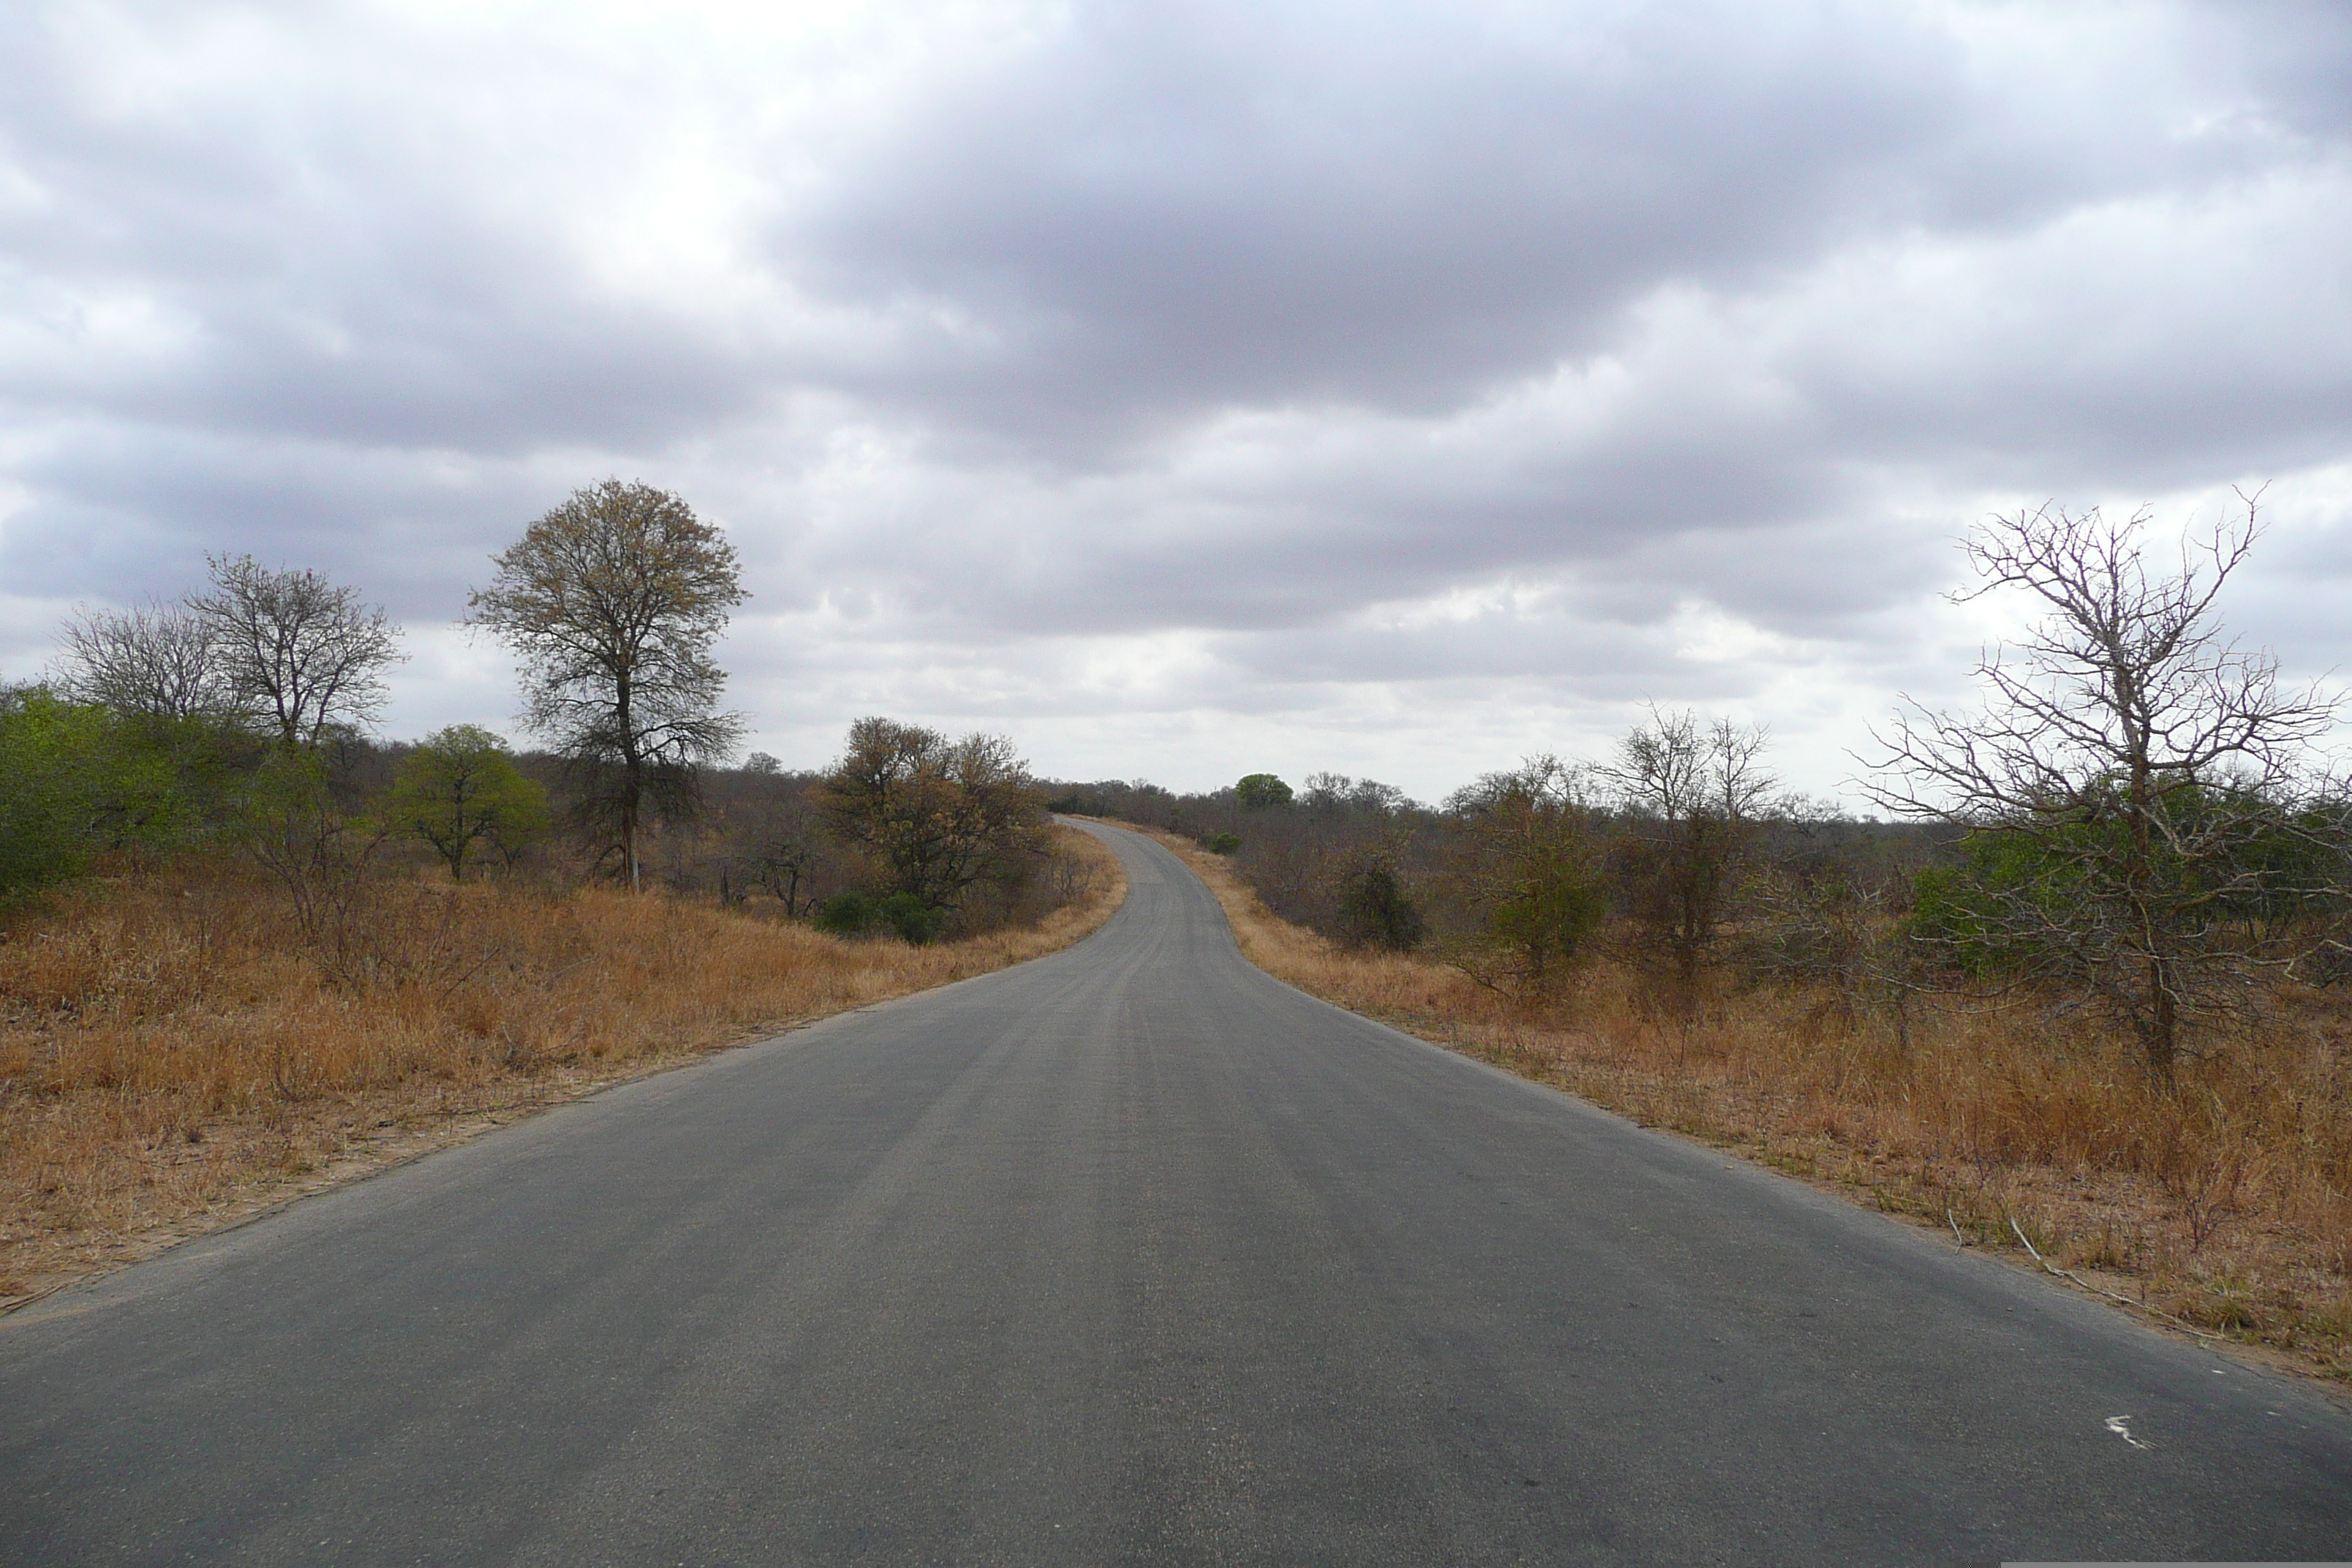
(172, 1058)
(2220, 1208)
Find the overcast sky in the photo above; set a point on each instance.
(1194, 388)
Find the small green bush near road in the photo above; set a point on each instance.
(902, 915)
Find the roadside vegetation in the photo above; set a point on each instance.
(247, 949)
(2084, 996)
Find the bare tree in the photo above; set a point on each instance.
(2133, 777)
(1691, 794)
(612, 601)
(295, 651)
(787, 849)
(773, 831)
(161, 660)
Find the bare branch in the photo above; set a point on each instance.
(159, 660)
(2140, 785)
(296, 651)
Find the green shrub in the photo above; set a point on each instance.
(843, 914)
(77, 781)
(2007, 908)
(1221, 843)
(902, 915)
(914, 921)
(1549, 916)
(1376, 912)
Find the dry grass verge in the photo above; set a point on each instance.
(171, 1058)
(2219, 1209)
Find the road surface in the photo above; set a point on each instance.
(1129, 1254)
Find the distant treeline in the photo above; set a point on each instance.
(2138, 818)
(909, 832)
(1519, 875)
(237, 722)
(1673, 856)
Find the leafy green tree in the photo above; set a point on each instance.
(460, 788)
(1261, 792)
(612, 601)
(47, 749)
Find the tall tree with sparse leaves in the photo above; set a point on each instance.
(611, 602)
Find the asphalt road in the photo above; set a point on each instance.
(1126, 1255)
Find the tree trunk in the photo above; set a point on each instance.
(633, 779)
(2164, 1021)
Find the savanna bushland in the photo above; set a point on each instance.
(2079, 988)
(248, 947)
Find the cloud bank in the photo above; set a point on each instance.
(1188, 389)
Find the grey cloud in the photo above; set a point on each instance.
(325, 257)
(2151, 350)
(2296, 56)
(1658, 503)
(1261, 327)
(137, 507)
(1173, 209)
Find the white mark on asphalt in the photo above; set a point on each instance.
(2120, 1427)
